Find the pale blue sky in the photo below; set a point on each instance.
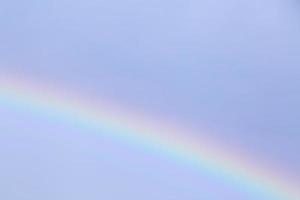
(230, 66)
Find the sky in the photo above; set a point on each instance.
(230, 67)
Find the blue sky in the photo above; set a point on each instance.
(232, 67)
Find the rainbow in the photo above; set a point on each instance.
(127, 126)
